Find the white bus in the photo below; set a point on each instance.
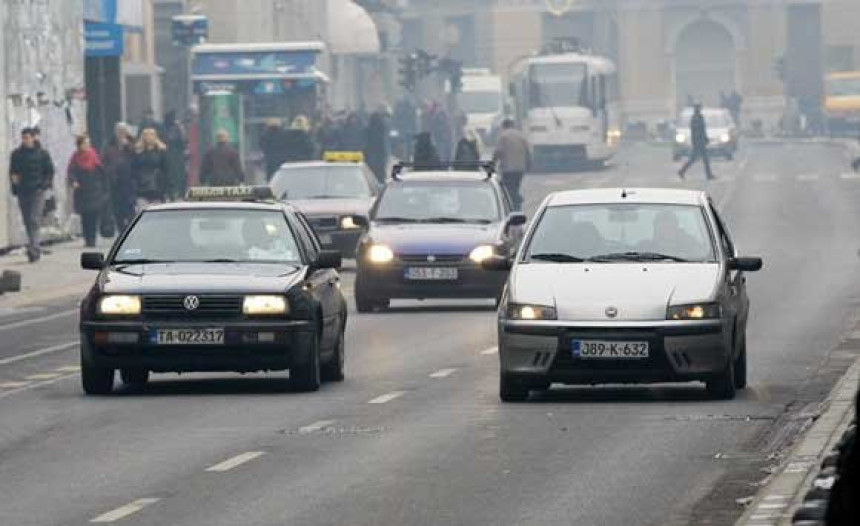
(482, 99)
(567, 104)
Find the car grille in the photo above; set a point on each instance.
(436, 258)
(211, 306)
(323, 222)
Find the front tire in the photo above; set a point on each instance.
(307, 377)
(741, 364)
(334, 370)
(96, 380)
(722, 385)
(512, 390)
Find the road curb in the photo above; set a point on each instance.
(776, 503)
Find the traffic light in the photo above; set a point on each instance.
(409, 71)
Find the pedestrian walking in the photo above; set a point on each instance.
(468, 150)
(406, 125)
(376, 146)
(440, 129)
(273, 144)
(174, 139)
(700, 140)
(148, 122)
(221, 165)
(513, 155)
(150, 169)
(352, 134)
(425, 155)
(118, 161)
(299, 145)
(88, 181)
(327, 136)
(31, 173)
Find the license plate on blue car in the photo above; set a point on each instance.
(431, 273)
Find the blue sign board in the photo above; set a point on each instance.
(277, 64)
(103, 40)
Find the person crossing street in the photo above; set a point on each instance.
(31, 171)
(513, 154)
(700, 140)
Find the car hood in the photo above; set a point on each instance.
(582, 292)
(420, 239)
(199, 278)
(331, 207)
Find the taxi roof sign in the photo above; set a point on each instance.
(343, 157)
(230, 193)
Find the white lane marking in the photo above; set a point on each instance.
(443, 373)
(35, 385)
(808, 177)
(43, 376)
(33, 321)
(234, 462)
(13, 385)
(777, 497)
(316, 426)
(124, 511)
(68, 369)
(490, 352)
(384, 399)
(764, 178)
(40, 352)
(850, 176)
(775, 506)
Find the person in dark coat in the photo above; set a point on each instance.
(327, 136)
(700, 140)
(89, 183)
(31, 173)
(352, 134)
(118, 161)
(274, 146)
(467, 149)
(150, 169)
(425, 155)
(299, 145)
(440, 129)
(376, 147)
(174, 139)
(221, 165)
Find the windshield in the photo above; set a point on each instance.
(556, 85)
(438, 202)
(622, 232)
(844, 87)
(321, 182)
(259, 236)
(480, 101)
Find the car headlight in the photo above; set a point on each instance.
(518, 311)
(348, 223)
(481, 253)
(725, 137)
(680, 138)
(264, 305)
(699, 311)
(380, 254)
(119, 305)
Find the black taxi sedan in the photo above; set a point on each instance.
(428, 233)
(230, 280)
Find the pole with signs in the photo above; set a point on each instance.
(189, 31)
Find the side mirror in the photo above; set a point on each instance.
(746, 264)
(516, 219)
(328, 259)
(92, 261)
(497, 264)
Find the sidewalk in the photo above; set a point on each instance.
(57, 275)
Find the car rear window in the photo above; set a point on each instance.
(321, 182)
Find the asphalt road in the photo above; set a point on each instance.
(417, 435)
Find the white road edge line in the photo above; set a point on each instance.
(384, 399)
(33, 321)
(234, 462)
(28, 387)
(124, 511)
(490, 352)
(40, 352)
(316, 426)
(443, 373)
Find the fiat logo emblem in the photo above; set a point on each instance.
(611, 312)
(191, 303)
(431, 259)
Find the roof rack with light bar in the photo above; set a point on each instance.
(488, 167)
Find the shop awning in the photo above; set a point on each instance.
(351, 30)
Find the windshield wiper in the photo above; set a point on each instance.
(221, 260)
(557, 258)
(395, 219)
(140, 261)
(455, 220)
(639, 256)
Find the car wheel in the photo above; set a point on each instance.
(308, 377)
(96, 380)
(135, 378)
(512, 390)
(333, 371)
(741, 364)
(722, 385)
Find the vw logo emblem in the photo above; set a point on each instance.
(611, 312)
(431, 258)
(191, 303)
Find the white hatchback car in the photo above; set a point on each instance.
(624, 286)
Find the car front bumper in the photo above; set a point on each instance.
(248, 346)
(678, 351)
(390, 282)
